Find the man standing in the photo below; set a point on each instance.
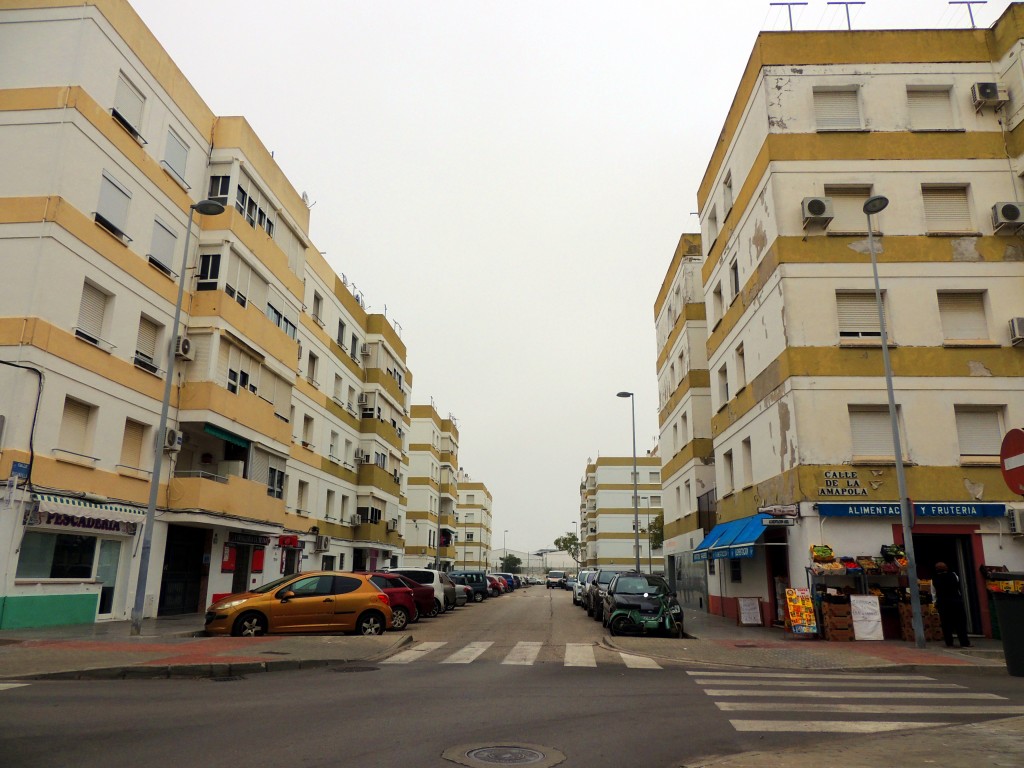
(949, 600)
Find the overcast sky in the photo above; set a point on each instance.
(508, 181)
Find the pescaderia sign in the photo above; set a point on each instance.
(923, 509)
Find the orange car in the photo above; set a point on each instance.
(319, 601)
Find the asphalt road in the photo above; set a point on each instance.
(489, 674)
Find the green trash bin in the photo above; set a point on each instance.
(1010, 612)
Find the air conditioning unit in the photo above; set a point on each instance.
(1007, 216)
(323, 543)
(1016, 518)
(397, 477)
(172, 440)
(363, 399)
(817, 210)
(989, 95)
(353, 520)
(393, 525)
(361, 457)
(1017, 331)
(183, 348)
(364, 350)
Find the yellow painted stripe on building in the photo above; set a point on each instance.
(243, 407)
(627, 461)
(688, 245)
(693, 312)
(675, 528)
(695, 379)
(250, 321)
(698, 448)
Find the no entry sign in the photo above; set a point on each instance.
(1011, 459)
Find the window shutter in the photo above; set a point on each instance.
(223, 351)
(176, 155)
(131, 447)
(128, 102)
(978, 432)
(164, 241)
(146, 343)
(930, 109)
(282, 396)
(113, 204)
(871, 432)
(836, 109)
(91, 310)
(963, 315)
(259, 472)
(74, 426)
(858, 315)
(848, 209)
(946, 209)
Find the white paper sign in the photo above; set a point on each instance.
(750, 611)
(867, 617)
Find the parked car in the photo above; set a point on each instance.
(423, 594)
(509, 579)
(319, 601)
(642, 598)
(582, 578)
(597, 588)
(476, 580)
(444, 589)
(493, 585)
(403, 603)
(463, 593)
(555, 580)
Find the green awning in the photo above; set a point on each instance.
(223, 434)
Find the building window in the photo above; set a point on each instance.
(930, 109)
(747, 459)
(176, 155)
(654, 477)
(684, 427)
(56, 556)
(963, 316)
(329, 506)
(734, 280)
(146, 344)
(728, 479)
(131, 444)
(848, 208)
(723, 386)
(717, 305)
(74, 426)
(712, 227)
(857, 313)
(727, 198)
(333, 450)
(469, 536)
(254, 205)
(91, 313)
(341, 336)
(871, 431)
(318, 308)
(275, 482)
(209, 272)
(128, 106)
(162, 246)
(220, 188)
(711, 567)
(946, 209)
(741, 368)
(837, 109)
(302, 500)
(735, 570)
(312, 363)
(112, 208)
(979, 430)
(307, 431)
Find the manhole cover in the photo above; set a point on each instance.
(355, 669)
(484, 755)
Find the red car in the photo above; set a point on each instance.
(403, 602)
(423, 594)
(494, 585)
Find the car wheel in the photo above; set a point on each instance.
(618, 624)
(400, 618)
(478, 597)
(432, 612)
(438, 607)
(250, 625)
(371, 623)
(448, 606)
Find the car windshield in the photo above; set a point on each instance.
(638, 585)
(556, 574)
(605, 577)
(272, 585)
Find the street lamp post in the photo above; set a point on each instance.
(636, 498)
(207, 208)
(504, 549)
(875, 205)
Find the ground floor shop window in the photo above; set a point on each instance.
(56, 556)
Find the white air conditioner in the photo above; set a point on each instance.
(353, 520)
(183, 348)
(364, 350)
(989, 95)
(361, 457)
(1016, 518)
(323, 543)
(817, 210)
(1007, 216)
(363, 399)
(1017, 331)
(393, 525)
(172, 440)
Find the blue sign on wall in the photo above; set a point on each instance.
(925, 509)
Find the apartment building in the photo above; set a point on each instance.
(821, 121)
(607, 512)
(432, 489)
(286, 446)
(473, 533)
(684, 417)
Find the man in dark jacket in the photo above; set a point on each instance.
(949, 600)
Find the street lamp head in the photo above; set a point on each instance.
(208, 207)
(624, 394)
(875, 204)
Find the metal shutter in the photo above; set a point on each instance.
(113, 204)
(930, 109)
(223, 351)
(146, 344)
(74, 426)
(92, 309)
(871, 431)
(858, 314)
(282, 396)
(836, 109)
(128, 102)
(131, 446)
(176, 155)
(946, 209)
(978, 431)
(848, 209)
(259, 472)
(963, 316)
(163, 245)
(199, 370)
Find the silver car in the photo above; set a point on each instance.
(582, 579)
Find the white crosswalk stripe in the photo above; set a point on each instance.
(7, 686)
(469, 654)
(810, 694)
(421, 650)
(579, 655)
(639, 662)
(524, 654)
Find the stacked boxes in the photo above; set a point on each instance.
(838, 621)
(929, 617)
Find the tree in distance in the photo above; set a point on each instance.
(510, 564)
(570, 543)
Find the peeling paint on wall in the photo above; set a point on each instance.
(978, 368)
(966, 249)
(977, 490)
(863, 247)
(784, 425)
(1013, 253)
(760, 238)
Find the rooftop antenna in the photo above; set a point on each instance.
(970, 9)
(847, 3)
(789, 7)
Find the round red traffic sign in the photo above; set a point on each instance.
(1011, 459)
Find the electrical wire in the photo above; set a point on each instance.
(35, 416)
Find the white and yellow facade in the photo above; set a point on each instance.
(473, 525)
(433, 489)
(799, 410)
(607, 512)
(289, 405)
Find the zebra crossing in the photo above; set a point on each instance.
(868, 698)
(8, 686)
(522, 654)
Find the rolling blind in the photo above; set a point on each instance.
(128, 102)
(131, 446)
(858, 315)
(148, 332)
(176, 154)
(946, 209)
(836, 109)
(930, 109)
(260, 469)
(963, 316)
(871, 431)
(91, 310)
(848, 209)
(162, 248)
(978, 432)
(113, 204)
(74, 426)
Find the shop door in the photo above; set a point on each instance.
(106, 575)
(777, 559)
(243, 562)
(184, 571)
(955, 551)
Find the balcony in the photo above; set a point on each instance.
(377, 532)
(231, 495)
(243, 407)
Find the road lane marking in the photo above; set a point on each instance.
(869, 709)
(851, 694)
(468, 654)
(638, 662)
(524, 654)
(5, 686)
(817, 684)
(413, 654)
(827, 726)
(579, 655)
(803, 675)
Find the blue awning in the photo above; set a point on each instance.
(734, 539)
